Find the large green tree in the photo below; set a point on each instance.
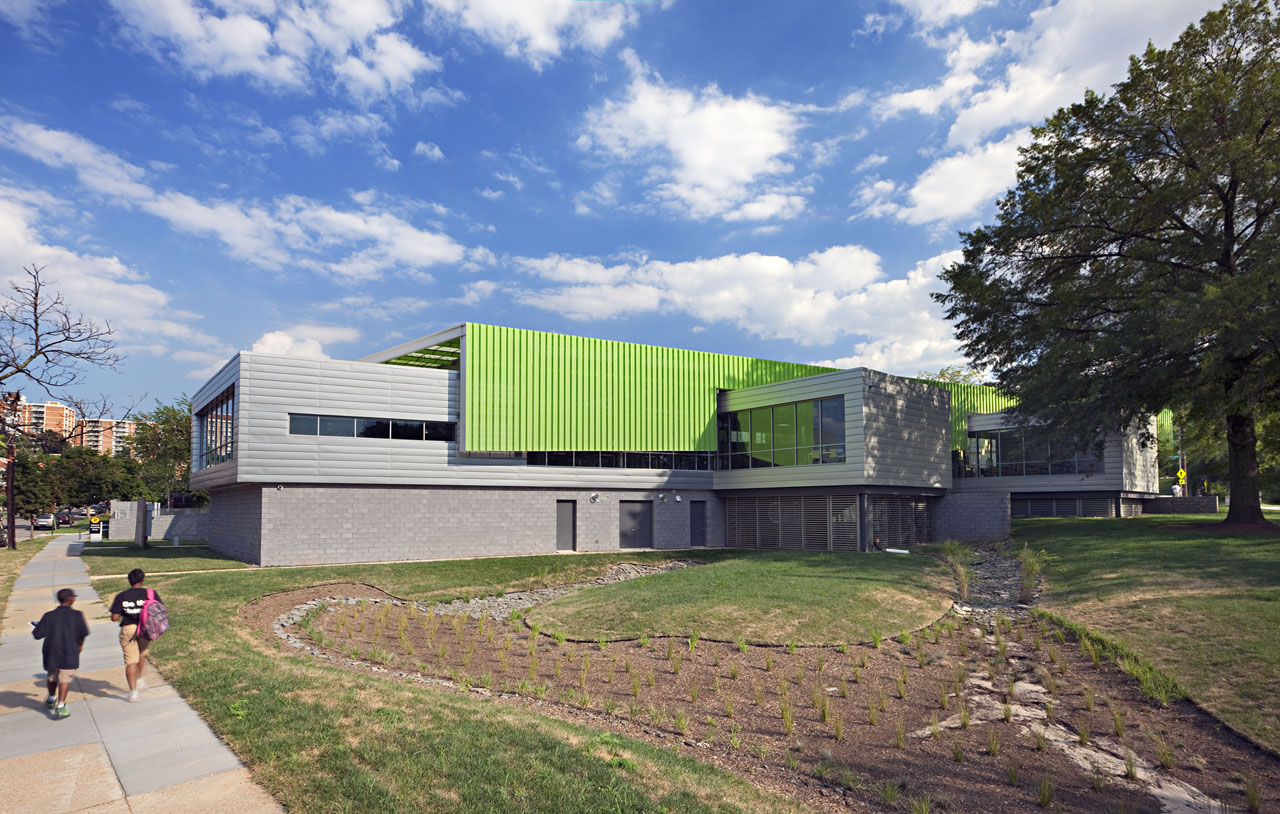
(162, 446)
(1134, 264)
(81, 477)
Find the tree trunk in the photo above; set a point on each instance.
(1242, 457)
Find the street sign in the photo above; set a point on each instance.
(1182, 474)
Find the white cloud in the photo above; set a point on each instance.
(538, 31)
(328, 126)
(768, 207)
(475, 292)
(280, 44)
(104, 287)
(813, 300)
(1068, 47)
(909, 331)
(511, 178)
(304, 340)
(876, 25)
(428, 150)
(933, 13)
(870, 162)
(964, 58)
(290, 231)
(960, 185)
(717, 151)
(383, 309)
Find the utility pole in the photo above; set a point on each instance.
(11, 451)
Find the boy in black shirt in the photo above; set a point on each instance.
(125, 609)
(63, 630)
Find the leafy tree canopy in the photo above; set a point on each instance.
(162, 445)
(1134, 264)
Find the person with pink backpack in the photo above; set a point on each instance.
(143, 618)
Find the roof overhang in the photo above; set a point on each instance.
(442, 349)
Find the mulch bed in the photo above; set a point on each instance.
(738, 724)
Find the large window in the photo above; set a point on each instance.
(796, 434)
(218, 429)
(1015, 453)
(337, 426)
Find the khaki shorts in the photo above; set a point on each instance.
(62, 676)
(134, 648)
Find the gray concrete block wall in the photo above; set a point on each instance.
(1180, 505)
(235, 522)
(181, 526)
(972, 516)
(309, 524)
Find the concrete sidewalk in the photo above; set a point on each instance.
(109, 756)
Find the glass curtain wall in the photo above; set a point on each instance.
(797, 434)
(217, 429)
(1014, 452)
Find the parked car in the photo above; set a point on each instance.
(64, 518)
(45, 521)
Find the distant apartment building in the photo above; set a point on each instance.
(106, 436)
(50, 415)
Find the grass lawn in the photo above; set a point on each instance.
(766, 597)
(321, 738)
(1203, 605)
(160, 559)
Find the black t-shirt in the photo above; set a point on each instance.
(129, 604)
(63, 630)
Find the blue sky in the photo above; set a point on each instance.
(776, 179)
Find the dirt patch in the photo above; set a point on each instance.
(726, 707)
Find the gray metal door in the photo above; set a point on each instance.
(566, 525)
(635, 523)
(697, 522)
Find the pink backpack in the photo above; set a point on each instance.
(153, 620)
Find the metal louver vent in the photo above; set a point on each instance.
(844, 522)
(816, 523)
(1096, 507)
(767, 522)
(791, 519)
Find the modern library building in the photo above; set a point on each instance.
(482, 440)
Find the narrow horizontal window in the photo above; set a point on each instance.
(337, 427)
(302, 424)
(440, 430)
(373, 428)
(406, 430)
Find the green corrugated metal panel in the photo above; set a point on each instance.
(1164, 430)
(530, 390)
(966, 399)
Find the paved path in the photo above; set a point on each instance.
(110, 756)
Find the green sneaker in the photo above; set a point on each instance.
(50, 702)
(62, 712)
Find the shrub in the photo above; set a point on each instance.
(900, 734)
(742, 644)
(693, 693)
(1130, 771)
(728, 706)
(837, 728)
(957, 751)
(1045, 792)
(681, 723)
(693, 642)
(1118, 720)
(876, 637)
(1252, 794)
(787, 723)
(1032, 563)
(993, 743)
(890, 793)
(1011, 771)
(1042, 741)
(904, 638)
(1088, 693)
(768, 662)
(733, 671)
(1164, 752)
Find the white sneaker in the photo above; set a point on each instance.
(133, 696)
